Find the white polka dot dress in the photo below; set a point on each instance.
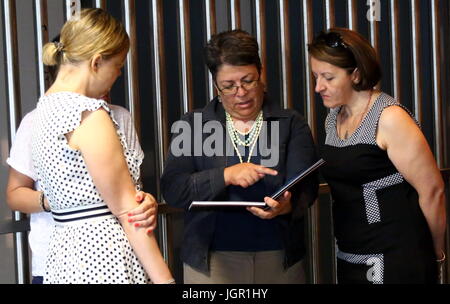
(88, 244)
(381, 232)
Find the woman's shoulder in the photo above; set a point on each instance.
(396, 118)
(387, 103)
(27, 120)
(394, 114)
(384, 100)
(71, 100)
(67, 110)
(392, 111)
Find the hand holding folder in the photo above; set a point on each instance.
(199, 205)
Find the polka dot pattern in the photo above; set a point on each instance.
(366, 131)
(89, 251)
(92, 252)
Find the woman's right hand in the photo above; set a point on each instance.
(144, 215)
(245, 174)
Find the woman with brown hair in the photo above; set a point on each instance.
(388, 209)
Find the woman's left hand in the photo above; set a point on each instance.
(282, 206)
(145, 214)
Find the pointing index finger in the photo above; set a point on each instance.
(265, 170)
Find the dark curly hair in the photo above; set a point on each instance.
(235, 47)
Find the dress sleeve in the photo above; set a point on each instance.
(66, 116)
(20, 156)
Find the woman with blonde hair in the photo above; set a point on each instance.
(87, 168)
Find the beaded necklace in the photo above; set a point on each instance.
(253, 135)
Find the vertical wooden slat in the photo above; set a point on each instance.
(160, 80)
(161, 111)
(69, 4)
(100, 4)
(374, 33)
(67, 10)
(417, 79)
(185, 53)
(307, 27)
(437, 93)
(14, 109)
(395, 49)
(330, 19)
(286, 64)
(333, 241)
(211, 29)
(260, 14)
(330, 22)
(132, 84)
(352, 13)
(313, 211)
(41, 24)
(235, 13)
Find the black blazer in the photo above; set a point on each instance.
(189, 177)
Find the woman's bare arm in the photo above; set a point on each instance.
(409, 152)
(99, 144)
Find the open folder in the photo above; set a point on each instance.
(199, 205)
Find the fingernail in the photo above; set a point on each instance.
(136, 225)
(129, 214)
(130, 220)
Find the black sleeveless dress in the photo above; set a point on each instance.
(381, 232)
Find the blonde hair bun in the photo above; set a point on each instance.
(94, 32)
(50, 54)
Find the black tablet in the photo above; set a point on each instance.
(291, 182)
(204, 205)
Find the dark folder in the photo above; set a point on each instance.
(237, 204)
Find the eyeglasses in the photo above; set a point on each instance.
(247, 85)
(332, 39)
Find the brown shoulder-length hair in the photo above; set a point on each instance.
(349, 50)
